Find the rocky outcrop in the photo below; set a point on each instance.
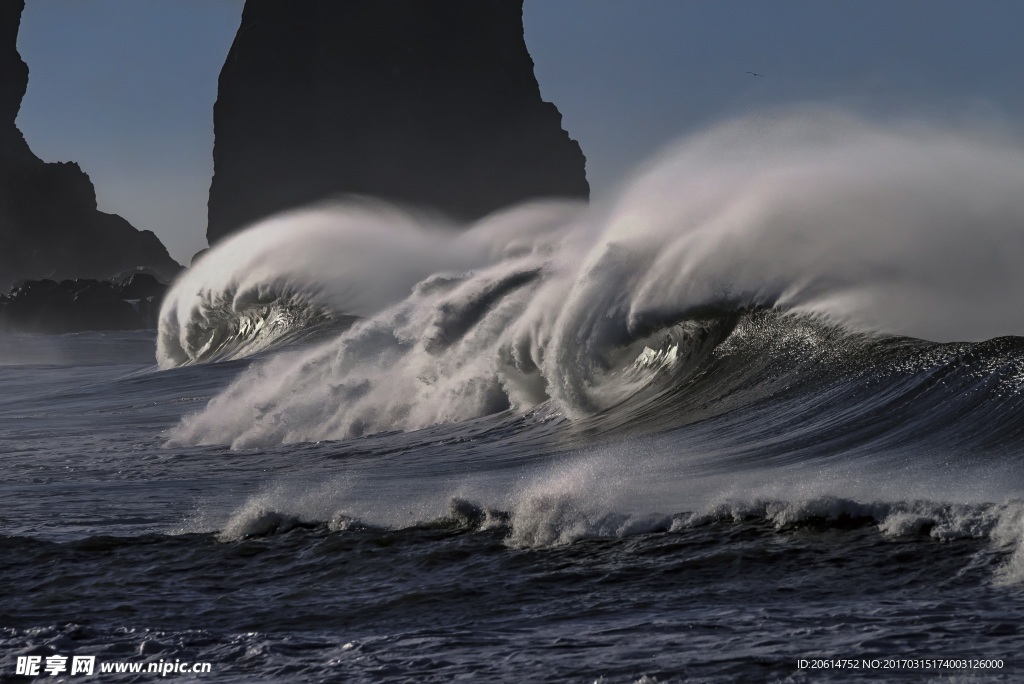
(49, 223)
(75, 305)
(430, 103)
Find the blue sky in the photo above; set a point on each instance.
(126, 88)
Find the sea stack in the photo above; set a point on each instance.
(428, 103)
(49, 224)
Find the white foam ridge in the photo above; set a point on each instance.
(902, 227)
(551, 514)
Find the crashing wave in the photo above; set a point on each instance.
(341, 260)
(843, 224)
(549, 519)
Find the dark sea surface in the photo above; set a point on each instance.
(691, 431)
(839, 497)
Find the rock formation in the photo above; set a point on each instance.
(49, 224)
(431, 103)
(75, 305)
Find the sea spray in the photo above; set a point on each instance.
(898, 228)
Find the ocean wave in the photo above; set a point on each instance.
(546, 520)
(344, 259)
(855, 228)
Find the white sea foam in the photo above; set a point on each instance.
(617, 493)
(900, 227)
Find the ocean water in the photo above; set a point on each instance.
(764, 406)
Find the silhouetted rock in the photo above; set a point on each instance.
(431, 103)
(85, 304)
(49, 224)
(142, 286)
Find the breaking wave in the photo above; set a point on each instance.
(546, 516)
(843, 230)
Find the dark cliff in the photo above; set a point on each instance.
(49, 224)
(431, 103)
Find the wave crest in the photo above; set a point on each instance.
(901, 228)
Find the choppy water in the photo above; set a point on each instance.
(671, 437)
(849, 516)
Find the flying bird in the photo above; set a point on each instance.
(753, 74)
